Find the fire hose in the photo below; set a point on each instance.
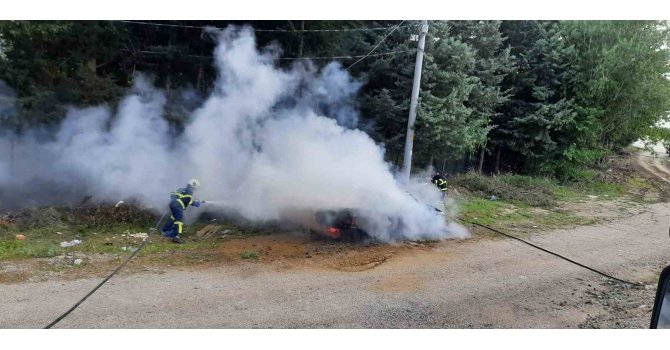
(552, 253)
(144, 242)
(540, 248)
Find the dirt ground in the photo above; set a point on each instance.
(476, 283)
(294, 281)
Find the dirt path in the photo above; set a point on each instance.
(654, 165)
(475, 283)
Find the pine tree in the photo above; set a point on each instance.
(538, 120)
(493, 63)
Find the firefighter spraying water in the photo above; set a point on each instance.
(179, 201)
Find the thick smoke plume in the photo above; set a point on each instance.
(268, 144)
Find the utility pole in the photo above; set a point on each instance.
(302, 38)
(409, 141)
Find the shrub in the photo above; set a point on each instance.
(524, 189)
(250, 254)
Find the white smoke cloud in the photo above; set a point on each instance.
(268, 142)
(7, 112)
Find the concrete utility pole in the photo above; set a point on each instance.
(409, 141)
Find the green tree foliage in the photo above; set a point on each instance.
(464, 64)
(385, 98)
(622, 80)
(55, 63)
(538, 122)
(464, 67)
(523, 96)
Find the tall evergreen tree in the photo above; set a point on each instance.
(53, 63)
(465, 64)
(539, 120)
(493, 63)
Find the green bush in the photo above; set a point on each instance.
(576, 164)
(568, 172)
(250, 254)
(539, 182)
(19, 249)
(583, 156)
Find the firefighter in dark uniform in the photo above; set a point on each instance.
(179, 201)
(440, 182)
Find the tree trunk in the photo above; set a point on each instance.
(302, 38)
(496, 167)
(201, 73)
(481, 159)
(11, 154)
(91, 64)
(168, 83)
(168, 79)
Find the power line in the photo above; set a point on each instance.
(284, 58)
(273, 30)
(376, 46)
(360, 57)
(166, 53)
(346, 57)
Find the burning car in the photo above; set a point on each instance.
(350, 224)
(339, 225)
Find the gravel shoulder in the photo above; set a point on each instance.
(454, 284)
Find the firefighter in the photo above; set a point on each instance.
(179, 201)
(440, 182)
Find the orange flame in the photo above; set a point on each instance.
(333, 232)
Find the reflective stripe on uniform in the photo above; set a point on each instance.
(179, 226)
(181, 196)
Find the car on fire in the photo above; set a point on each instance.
(349, 224)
